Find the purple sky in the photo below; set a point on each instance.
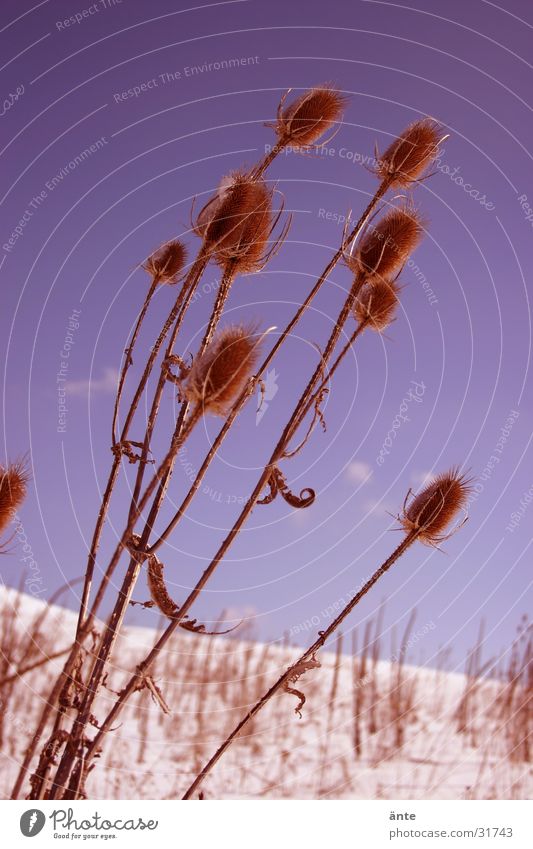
(466, 347)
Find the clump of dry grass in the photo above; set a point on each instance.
(432, 510)
(166, 264)
(13, 487)
(409, 155)
(307, 118)
(220, 374)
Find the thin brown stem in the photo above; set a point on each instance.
(85, 621)
(31, 666)
(200, 263)
(268, 158)
(276, 455)
(128, 358)
(184, 427)
(309, 653)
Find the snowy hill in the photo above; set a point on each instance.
(370, 728)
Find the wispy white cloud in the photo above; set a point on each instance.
(104, 385)
(358, 471)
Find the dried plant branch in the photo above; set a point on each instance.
(277, 454)
(431, 511)
(236, 226)
(300, 666)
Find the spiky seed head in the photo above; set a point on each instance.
(376, 304)
(431, 511)
(386, 246)
(312, 114)
(406, 159)
(13, 486)
(167, 262)
(236, 223)
(218, 376)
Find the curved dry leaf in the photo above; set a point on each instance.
(296, 672)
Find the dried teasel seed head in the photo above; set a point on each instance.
(218, 376)
(431, 511)
(406, 159)
(236, 224)
(167, 262)
(13, 486)
(386, 246)
(376, 304)
(307, 118)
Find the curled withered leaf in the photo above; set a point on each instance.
(295, 673)
(162, 600)
(158, 590)
(278, 485)
(272, 491)
(318, 417)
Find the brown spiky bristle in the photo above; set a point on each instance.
(240, 225)
(386, 246)
(13, 486)
(406, 159)
(218, 377)
(311, 115)
(167, 262)
(431, 511)
(376, 304)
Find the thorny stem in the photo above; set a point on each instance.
(329, 376)
(278, 452)
(84, 626)
(309, 653)
(183, 429)
(194, 274)
(268, 158)
(263, 367)
(128, 359)
(85, 621)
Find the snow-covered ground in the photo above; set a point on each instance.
(374, 732)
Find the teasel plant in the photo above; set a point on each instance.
(426, 519)
(14, 479)
(237, 231)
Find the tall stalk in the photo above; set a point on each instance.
(298, 668)
(314, 382)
